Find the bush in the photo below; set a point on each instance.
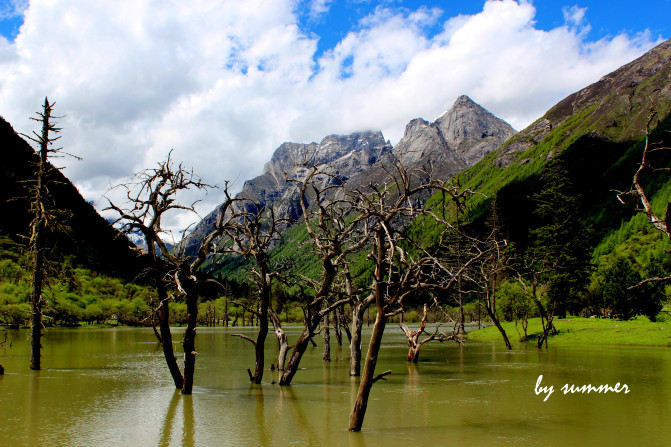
(411, 317)
(14, 314)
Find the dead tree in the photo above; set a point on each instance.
(281, 340)
(359, 304)
(250, 230)
(45, 215)
(402, 266)
(485, 276)
(327, 336)
(638, 191)
(334, 233)
(414, 341)
(150, 196)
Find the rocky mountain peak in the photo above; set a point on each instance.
(459, 138)
(415, 125)
(469, 129)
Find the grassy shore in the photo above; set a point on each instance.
(586, 331)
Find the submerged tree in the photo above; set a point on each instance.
(45, 216)
(335, 233)
(150, 196)
(415, 343)
(250, 231)
(402, 265)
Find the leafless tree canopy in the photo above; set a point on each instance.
(150, 195)
(638, 191)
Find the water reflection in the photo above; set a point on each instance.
(189, 421)
(262, 428)
(172, 419)
(169, 419)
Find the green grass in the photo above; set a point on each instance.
(587, 331)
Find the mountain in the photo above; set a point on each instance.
(615, 108)
(458, 138)
(597, 135)
(91, 241)
(346, 156)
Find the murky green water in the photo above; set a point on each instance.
(111, 387)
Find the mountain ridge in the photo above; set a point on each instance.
(465, 133)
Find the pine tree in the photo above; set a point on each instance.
(560, 238)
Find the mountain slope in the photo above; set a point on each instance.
(91, 241)
(596, 134)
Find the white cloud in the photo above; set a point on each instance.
(226, 82)
(317, 8)
(574, 15)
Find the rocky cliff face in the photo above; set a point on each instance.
(346, 156)
(460, 137)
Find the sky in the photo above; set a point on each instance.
(224, 83)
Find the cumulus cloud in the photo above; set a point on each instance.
(224, 83)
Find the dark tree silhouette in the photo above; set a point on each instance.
(45, 216)
(150, 196)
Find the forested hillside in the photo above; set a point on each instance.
(93, 272)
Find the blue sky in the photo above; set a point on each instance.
(607, 18)
(225, 82)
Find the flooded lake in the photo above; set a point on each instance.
(111, 387)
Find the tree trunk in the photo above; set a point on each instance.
(166, 336)
(38, 228)
(337, 324)
(462, 328)
(358, 310)
(479, 312)
(367, 380)
(344, 326)
(312, 320)
(300, 348)
(189, 342)
(497, 323)
(413, 352)
(259, 347)
(281, 339)
(327, 339)
(36, 300)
